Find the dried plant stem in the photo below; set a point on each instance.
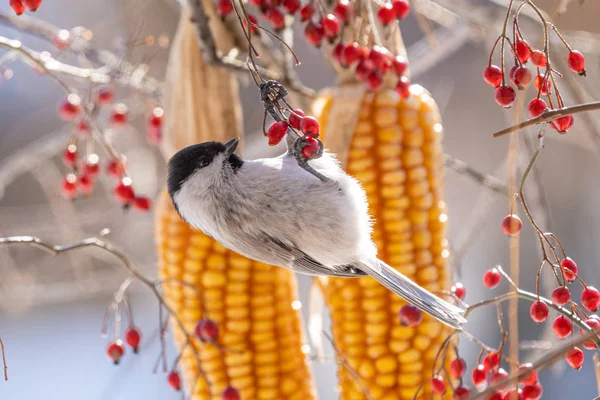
(465, 169)
(4, 360)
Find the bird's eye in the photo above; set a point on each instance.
(203, 162)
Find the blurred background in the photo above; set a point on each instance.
(51, 308)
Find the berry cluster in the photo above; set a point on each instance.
(84, 165)
(19, 6)
(521, 76)
(300, 124)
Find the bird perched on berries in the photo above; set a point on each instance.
(274, 211)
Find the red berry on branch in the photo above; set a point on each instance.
(495, 396)
(291, 6)
(403, 87)
(115, 169)
(207, 330)
(491, 278)
(491, 361)
(511, 225)
(91, 169)
(133, 336)
(174, 380)
(462, 393)
(17, 6)
(400, 65)
(386, 14)
(231, 393)
(459, 290)
(123, 191)
(401, 8)
(538, 58)
(576, 62)
(85, 184)
(593, 322)
(295, 117)
(374, 81)
(533, 392)
(276, 132)
(309, 126)
(438, 385)
(498, 376)
(363, 70)
(70, 108)
(563, 124)
(142, 203)
(505, 96)
(62, 38)
(307, 12)
(562, 327)
(224, 8)
(118, 116)
(69, 187)
(575, 358)
(350, 54)
(542, 85)
(337, 52)
(523, 50)
(570, 269)
(313, 33)
(532, 377)
(82, 128)
(514, 394)
(536, 107)
(277, 18)
(561, 296)
(539, 311)
(492, 74)
(521, 77)
(344, 11)
(458, 367)
(590, 298)
(410, 315)
(311, 147)
(32, 5)
(105, 96)
(115, 351)
(70, 155)
(331, 26)
(259, 3)
(479, 376)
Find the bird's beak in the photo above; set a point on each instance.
(230, 146)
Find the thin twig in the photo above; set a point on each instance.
(486, 180)
(4, 360)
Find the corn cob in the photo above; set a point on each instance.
(251, 302)
(395, 151)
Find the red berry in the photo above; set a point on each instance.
(410, 315)
(532, 377)
(533, 392)
(562, 327)
(479, 376)
(276, 132)
(374, 81)
(133, 337)
(539, 311)
(154, 129)
(491, 278)
(577, 62)
(314, 33)
(174, 380)
(511, 225)
(207, 330)
(495, 396)
(259, 3)
(538, 58)
(363, 70)
(523, 50)
(295, 117)
(32, 5)
(82, 128)
(142, 203)
(491, 361)
(401, 8)
(344, 11)
(561, 296)
(115, 351)
(458, 367)
(253, 24)
(590, 298)
(536, 107)
(91, 169)
(593, 322)
(400, 65)
(311, 147)
(350, 54)
(337, 52)
(70, 108)
(115, 168)
(521, 77)
(438, 385)
(118, 117)
(563, 124)
(505, 96)
(575, 358)
(85, 184)
(462, 393)
(291, 6)
(570, 269)
(224, 7)
(459, 290)
(542, 85)
(307, 12)
(17, 6)
(277, 18)
(498, 376)
(492, 74)
(331, 25)
(70, 155)
(514, 394)
(386, 14)
(309, 126)
(403, 87)
(69, 187)
(123, 192)
(231, 393)
(105, 96)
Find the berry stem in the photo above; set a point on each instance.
(5, 366)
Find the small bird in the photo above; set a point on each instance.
(273, 211)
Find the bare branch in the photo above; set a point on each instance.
(465, 169)
(4, 360)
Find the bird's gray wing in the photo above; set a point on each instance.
(264, 248)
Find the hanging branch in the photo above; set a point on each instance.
(465, 169)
